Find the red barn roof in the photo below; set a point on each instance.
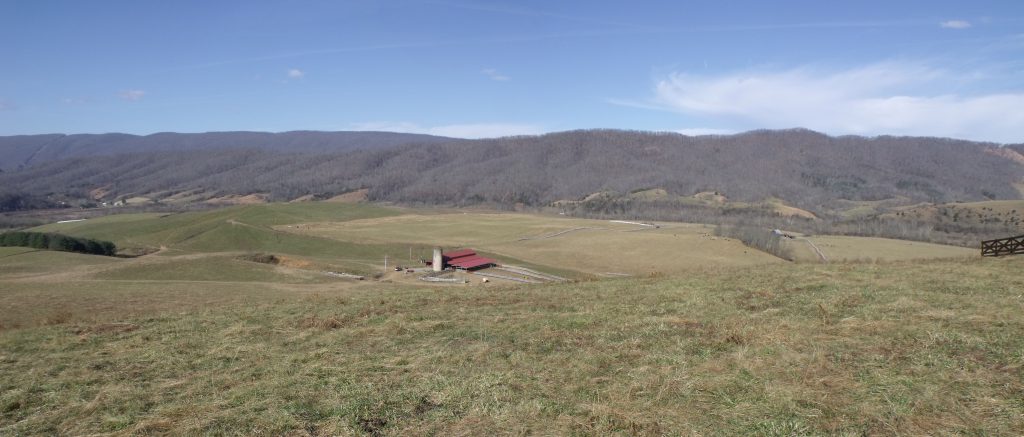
(460, 253)
(466, 259)
(471, 262)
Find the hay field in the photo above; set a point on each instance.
(915, 348)
(240, 229)
(844, 248)
(356, 237)
(210, 230)
(592, 246)
(600, 247)
(1005, 214)
(27, 262)
(193, 340)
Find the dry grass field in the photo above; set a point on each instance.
(1005, 214)
(193, 340)
(591, 246)
(843, 248)
(902, 348)
(599, 246)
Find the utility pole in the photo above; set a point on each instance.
(385, 263)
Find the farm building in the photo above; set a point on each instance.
(462, 259)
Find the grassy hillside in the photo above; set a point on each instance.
(154, 230)
(842, 248)
(238, 229)
(708, 337)
(602, 246)
(592, 246)
(356, 237)
(998, 215)
(23, 261)
(918, 348)
(210, 269)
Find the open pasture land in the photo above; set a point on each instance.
(356, 237)
(920, 348)
(600, 247)
(241, 229)
(205, 230)
(192, 339)
(1007, 215)
(592, 246)
(844, 248)
(22, 262)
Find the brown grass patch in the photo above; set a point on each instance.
(356, 196)
(99, 193)
(105, 328)
(326, 324)
(758, 300)
(295, 263)
(684, 324)
(59, 317)
(262, 258)
(235, 199)
(928, 348)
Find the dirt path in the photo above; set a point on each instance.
(556, 234)
(818, 251)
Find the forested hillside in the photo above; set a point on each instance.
(25, 150)
(805, 168)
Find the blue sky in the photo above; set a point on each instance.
(479, 69)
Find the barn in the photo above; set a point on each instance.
(465, 259)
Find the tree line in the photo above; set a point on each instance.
(51, 241)
(756, 237)
(807, 169)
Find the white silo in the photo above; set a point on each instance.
(438, 263)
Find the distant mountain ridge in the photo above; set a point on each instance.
(806, 169)
(24, 150)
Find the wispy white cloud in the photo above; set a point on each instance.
(495, 75)
(132, 95)
(955, 24)
(884, 98)
(470, 130)
(699, 131)
(295, 73)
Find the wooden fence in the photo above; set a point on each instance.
(1003, 246)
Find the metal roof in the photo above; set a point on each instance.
(470, 262)
(459, 253)
(466, 259)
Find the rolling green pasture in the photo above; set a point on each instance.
(240, 229)
(918, 348)
(599, 246)
(216, 269)
(708, 337)
(216, 230)
(356, 237)
(591, 246)
(845, 248)
(21, 261)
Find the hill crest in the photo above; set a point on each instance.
(804, 169)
